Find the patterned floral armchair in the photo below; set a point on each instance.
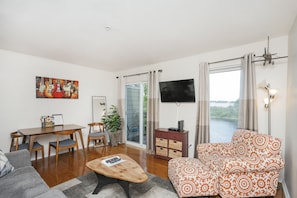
(249, 166)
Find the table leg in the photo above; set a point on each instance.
(31, 142)
(71, 137)
(125, 186)
(103, 180)
(24, 139)
(82, 141)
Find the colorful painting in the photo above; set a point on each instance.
(56, 88)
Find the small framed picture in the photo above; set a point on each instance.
(58, 119)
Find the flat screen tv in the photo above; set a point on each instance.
(177, 91)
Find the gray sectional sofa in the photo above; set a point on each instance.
(24, 181)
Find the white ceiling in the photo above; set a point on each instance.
(141, 32)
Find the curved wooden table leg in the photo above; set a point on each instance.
(103, 180)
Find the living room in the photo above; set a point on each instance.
(21, 109)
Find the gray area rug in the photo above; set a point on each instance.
(83, 186)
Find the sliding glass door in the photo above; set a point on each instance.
(136, 102)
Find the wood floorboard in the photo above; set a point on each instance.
(72, 164)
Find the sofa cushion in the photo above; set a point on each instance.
(19, 158)
(5, 166)
(209, 152)
(22, 183)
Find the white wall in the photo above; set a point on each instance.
(291, 135)
(188, 68)
(19, 108)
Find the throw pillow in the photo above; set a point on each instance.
(5, 166)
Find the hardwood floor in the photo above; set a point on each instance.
(72, 164)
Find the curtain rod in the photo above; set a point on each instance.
(231, 59)
(138, 74)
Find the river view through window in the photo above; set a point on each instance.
(224, 104)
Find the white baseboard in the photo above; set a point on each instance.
(285, 189)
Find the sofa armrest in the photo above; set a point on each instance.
(213, 151)
(19, 158)
(250, 164)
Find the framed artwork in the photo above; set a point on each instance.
(58, 119)
(56, 88)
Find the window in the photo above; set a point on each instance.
(136, 109)
(224, 104)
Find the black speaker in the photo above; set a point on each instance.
(180, 125)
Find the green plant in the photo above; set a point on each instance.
(112, 119)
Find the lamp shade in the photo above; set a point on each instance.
(266, 102)
(272, 92)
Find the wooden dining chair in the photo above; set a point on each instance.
(18, 143)
(96, 133)
(64, 140)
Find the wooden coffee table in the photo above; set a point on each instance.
(122, 173)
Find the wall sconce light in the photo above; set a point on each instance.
(267, 101)
(271, 96)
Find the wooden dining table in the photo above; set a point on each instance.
(33, 133)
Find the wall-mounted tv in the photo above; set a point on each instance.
(177, 91)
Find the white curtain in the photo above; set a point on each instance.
(152, 109)
(202, 126)
(121, 106)
(248, 112)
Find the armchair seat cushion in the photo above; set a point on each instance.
(248, 164)
(62, 143)
(97, 134)
(209, 153)
(26, 146)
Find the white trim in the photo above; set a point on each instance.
(285, 189)
(141, 96)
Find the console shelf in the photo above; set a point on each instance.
(170, 144)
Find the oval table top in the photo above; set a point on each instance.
(127, 169)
